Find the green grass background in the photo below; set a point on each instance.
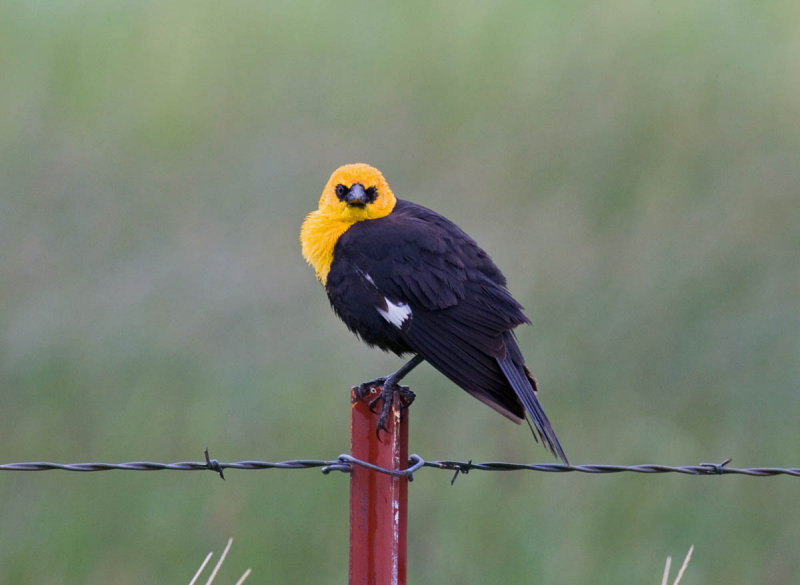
(634, 168)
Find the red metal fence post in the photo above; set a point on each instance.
(378, 502)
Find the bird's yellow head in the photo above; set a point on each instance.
(355, 192)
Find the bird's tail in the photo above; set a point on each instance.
(524, 387)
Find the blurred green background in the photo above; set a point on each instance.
(634, 168)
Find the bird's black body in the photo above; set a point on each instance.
(413, 281)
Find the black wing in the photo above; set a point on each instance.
(423, 285)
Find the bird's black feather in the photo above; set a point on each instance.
(457, 313)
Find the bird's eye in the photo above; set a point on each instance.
(341, 191)
(372, 194)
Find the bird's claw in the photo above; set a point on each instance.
(373, 404)
(406, 396)
(388, 395)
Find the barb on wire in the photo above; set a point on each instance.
(213, 464)
(461, 469)
(345, 464)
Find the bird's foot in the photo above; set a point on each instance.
(389, 393)
(406, 396)
(365, 389)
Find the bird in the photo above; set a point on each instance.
(407, 280)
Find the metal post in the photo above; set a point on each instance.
(378, 502)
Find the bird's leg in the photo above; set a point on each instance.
(389, 386)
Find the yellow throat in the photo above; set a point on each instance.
(323, 228)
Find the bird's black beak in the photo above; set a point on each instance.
(356, 196)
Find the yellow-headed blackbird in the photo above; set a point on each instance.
(408, 280)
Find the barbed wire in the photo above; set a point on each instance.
(346, 463)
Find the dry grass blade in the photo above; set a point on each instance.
(684, 565)
(217, 567)
(219, 562)
(666, 571)
(664, 579)
(243, 577)
(200, 570)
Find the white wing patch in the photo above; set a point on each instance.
(395, 313)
